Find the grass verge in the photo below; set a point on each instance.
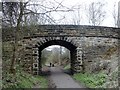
(91, 80)
(24, 80)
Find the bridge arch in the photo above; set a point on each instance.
(66, 42)
(72, 48)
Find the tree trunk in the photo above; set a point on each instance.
(12, 67)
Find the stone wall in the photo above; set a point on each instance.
(76, 31)
(98, 52)
(88, 45)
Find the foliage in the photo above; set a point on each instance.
(45, 56)
(23, 80)
(67, 67)
(55, 54)
(65, 57)
(59, 56)
(112, 79)
(91, 80)
(7, 48)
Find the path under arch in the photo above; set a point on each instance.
(59, 79)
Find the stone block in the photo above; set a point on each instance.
(35, 65)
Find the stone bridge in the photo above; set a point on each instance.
(86, 44)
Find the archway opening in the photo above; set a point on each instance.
(70, 56)
(56, 56)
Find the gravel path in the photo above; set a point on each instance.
(61, 80)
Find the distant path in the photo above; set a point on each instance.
(61, 80)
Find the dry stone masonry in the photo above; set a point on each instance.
(86, 44)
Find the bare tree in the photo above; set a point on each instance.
(115, 15)
(118, 22)
(44, 11)
(77, 15)
(16, 14)
(12, 16)
(96, 13)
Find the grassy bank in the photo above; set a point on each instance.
(91, 80)
(24, 80)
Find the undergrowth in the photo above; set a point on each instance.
(91, 80)
(23, 80)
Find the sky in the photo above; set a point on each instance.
(51, 47)
(108, 7)
(71, 15)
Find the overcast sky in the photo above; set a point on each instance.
(72, 15)
(108, 7)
